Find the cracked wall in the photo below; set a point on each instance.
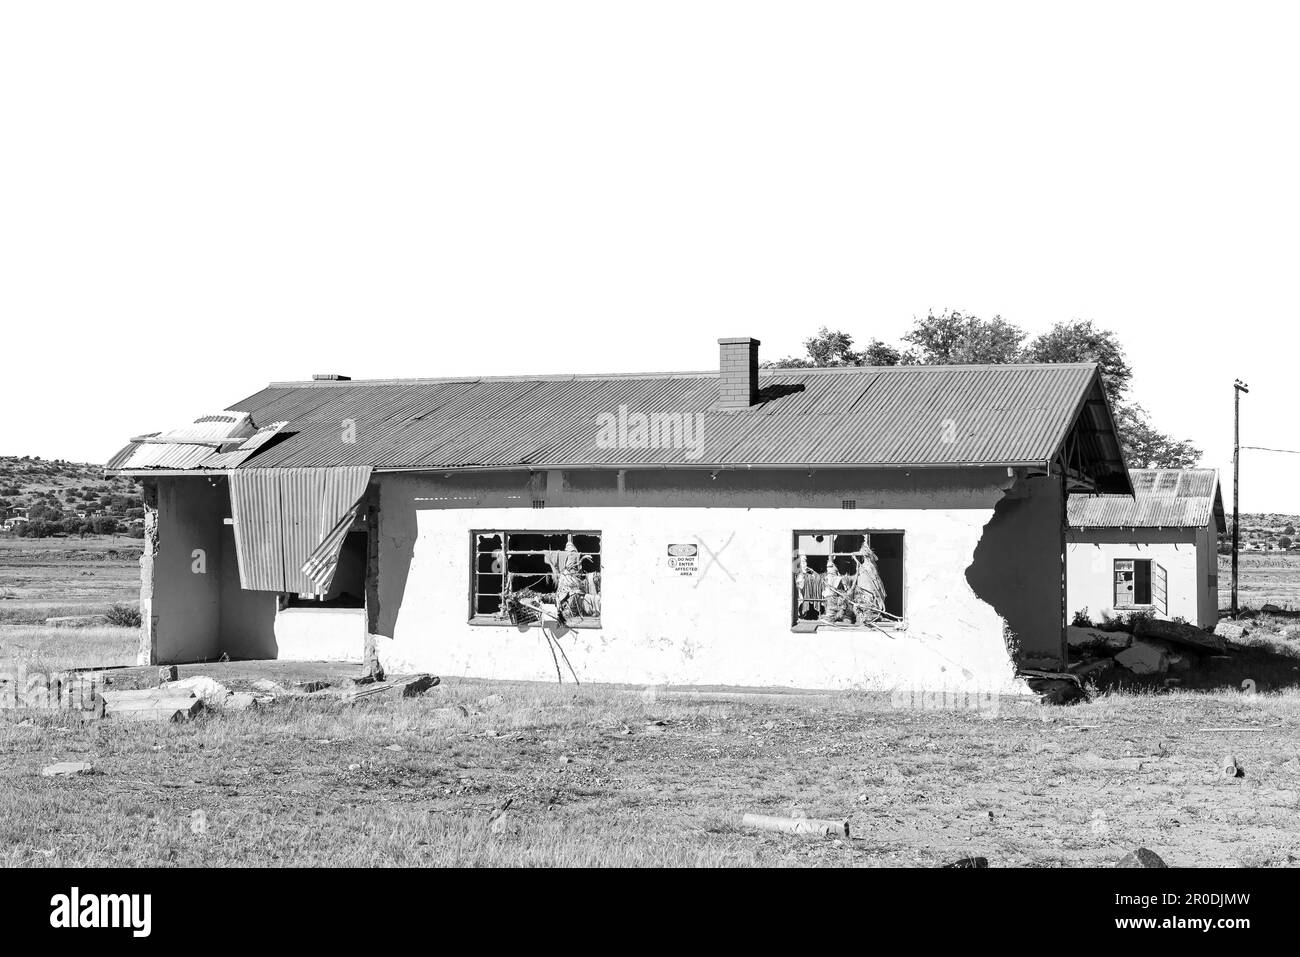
(731, 622)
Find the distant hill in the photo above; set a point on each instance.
(1269, 531)
(43, 497)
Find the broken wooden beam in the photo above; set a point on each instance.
(407, 687)
(151, 704)
(797, 825)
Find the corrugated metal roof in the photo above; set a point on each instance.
(1162, 498)
(868, 416)
(167, 450)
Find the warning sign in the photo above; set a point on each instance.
(684, 559)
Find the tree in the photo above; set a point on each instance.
(953, 337)
(1081, 341)
(833, 348)
(1147, 448)
(1285, 541)
(44, 513)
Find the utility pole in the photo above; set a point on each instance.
(1238, 387)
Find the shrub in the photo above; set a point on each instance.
(1081, 619)
(124, 616)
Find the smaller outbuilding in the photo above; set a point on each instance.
(1154, 551)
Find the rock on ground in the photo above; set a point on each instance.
(66, 767)
(1231, 630)
(1180, 633)
(1096, 641)
(1146, 656)
(212, 691)
(1141, 858)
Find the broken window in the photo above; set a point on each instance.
(348, 585)
(527, 577)
(848, 578)
(1132, 582)
(1140, 582)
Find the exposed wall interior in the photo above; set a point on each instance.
(192, 607)
(1017, 567)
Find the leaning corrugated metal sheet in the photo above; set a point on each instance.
(281, 516)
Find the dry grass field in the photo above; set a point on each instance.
(607, 776)
(1272, 578)
(44, 578)
(625, 776)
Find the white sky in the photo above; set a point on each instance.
(196, 199)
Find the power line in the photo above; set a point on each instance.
(1261, 448)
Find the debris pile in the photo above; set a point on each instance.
(152, 704)
(1149, 647)
(797, 825)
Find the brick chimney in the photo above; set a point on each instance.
(738, 372)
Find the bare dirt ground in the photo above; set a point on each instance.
(633, 776)
(609, 776)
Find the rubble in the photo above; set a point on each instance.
(1179, 633)
(797, 825)
(1057, 688)
(1145, 657)
(1088, 670)
(499, 820)
(1231, 630)
(1230, 767)
(1142, 857)
(77, 621)
(407, 687)
(212, 692)
(63, 768)
(151, 704)
(1096, 641)
(980, 862)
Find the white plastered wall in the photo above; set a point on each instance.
(1092, 554)
(730, 623)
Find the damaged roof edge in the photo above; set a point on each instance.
(1097, 383)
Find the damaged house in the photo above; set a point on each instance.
(1154, 551)
(852, 527)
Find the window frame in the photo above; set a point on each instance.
(1114, 582)
(485, 621)
(796, 622)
